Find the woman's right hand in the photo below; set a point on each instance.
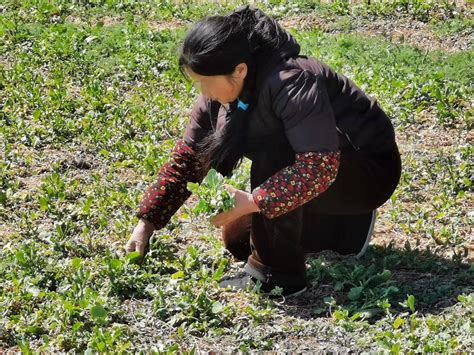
(140, 237)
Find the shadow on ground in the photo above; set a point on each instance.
(385, 275)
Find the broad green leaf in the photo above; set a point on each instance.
(116, 264)
(178, 275)
(34, 329)
(20, 256)
(78, 325)
(76, 263)
(68, 305)
(356, 316)
(340, 314)
(192, 186)
(395, 349)
(43, 203)
(339, 286)
(133, 257)
(212, 178)
(98, 312)
(87, 205)
(398, 322)
(220, 270)
(355, 293)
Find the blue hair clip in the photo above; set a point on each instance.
(242, 105)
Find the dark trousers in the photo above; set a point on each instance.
(330, 221)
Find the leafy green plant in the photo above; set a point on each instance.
(366, 289)
(213, 197)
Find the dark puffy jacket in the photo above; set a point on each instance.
(304, 104)
(300, 105)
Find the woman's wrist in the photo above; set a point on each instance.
(252, 204)
(146, 225)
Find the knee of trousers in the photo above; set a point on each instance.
(277, 241)
(236, 237)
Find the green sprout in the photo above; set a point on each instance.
(213, 197)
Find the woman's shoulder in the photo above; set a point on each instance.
(292, 66)
(293, 71)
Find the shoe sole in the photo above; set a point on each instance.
(297, 293)
(369, 235)
(291, 295)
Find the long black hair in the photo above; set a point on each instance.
(214, 46)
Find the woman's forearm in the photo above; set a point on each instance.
(310, 175)
(168, 192)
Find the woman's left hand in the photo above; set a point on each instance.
(244, 204)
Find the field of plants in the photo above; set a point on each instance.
(92, 101)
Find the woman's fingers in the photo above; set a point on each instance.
(137, 242)
(231, 189)
(130, 246)
(135, 245)
(221, 219)
(239, 209)
(216, 220)
(140, 247)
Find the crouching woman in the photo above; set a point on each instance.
(323, 153)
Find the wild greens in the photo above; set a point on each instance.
(213, 197)
(91, 104)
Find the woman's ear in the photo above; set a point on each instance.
(240, 71)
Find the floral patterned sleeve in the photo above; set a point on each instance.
(168, 192)
(310, 175)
